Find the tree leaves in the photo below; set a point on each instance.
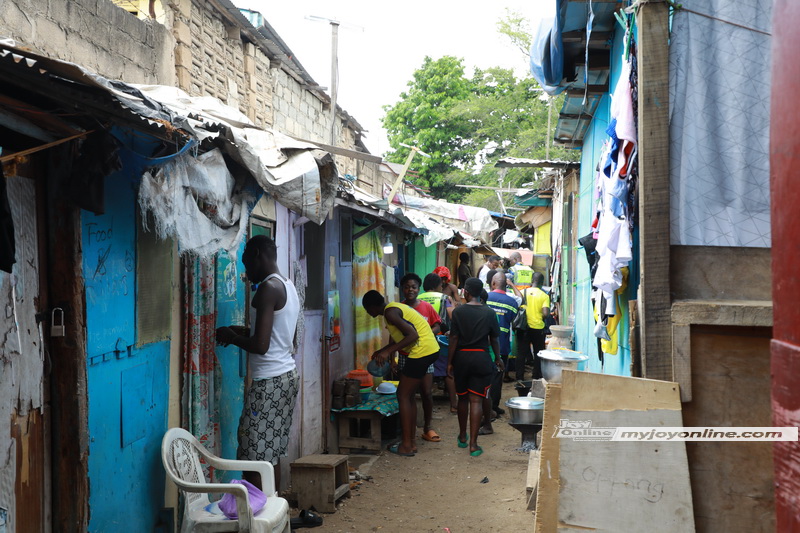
(467, 124)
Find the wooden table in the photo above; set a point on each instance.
(360, 426)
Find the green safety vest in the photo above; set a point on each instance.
(523, 275)
(434, 298)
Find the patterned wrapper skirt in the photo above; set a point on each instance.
(267, 418)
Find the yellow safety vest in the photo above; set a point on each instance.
(523, 276)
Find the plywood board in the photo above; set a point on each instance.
(600, 392)
(547, 493)
(622, 486)
(732, 483)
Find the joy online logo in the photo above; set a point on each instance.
(582, 430)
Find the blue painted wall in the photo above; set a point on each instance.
(231, 302)
(127, 385)
(585, 341)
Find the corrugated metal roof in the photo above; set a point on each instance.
(514, 162)
(69, 86)
(585, 84)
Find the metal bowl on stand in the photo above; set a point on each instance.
(555, 361)
(525, 410)
(525, 415)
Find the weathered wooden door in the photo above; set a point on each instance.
(785, 195)
(24, 398)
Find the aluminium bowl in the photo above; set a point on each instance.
(525, 410)
(555, 361)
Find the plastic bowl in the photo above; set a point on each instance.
(377, 370)
(365, 392)
(386, 388)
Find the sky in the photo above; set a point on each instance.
(381, 44)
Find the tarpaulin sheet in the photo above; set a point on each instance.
(547, 48)
(719, 124)
(469, 218)
(285, 168)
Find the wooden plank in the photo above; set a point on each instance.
(635, 342)
(746, 313)
(716, 273)
(598, 39)
(353, 154)
(682, 360)
(654, 227)
(622, 486)
(591, 90)
(68, 356)
(610, 393)
(320, 461)
(532, 479)
(546, 518)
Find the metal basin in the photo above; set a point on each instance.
(555, 361)
(525, 410)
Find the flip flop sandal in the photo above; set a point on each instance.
(431, 436)
(395, 449)
(461, 443)
(307, 519)
(477, 452)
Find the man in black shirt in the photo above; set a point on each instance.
(474, 328)
(464, 270)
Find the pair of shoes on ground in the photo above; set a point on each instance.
(306, 519)
(462, 444)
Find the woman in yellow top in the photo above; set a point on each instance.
(409, 332)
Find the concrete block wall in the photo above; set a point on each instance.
(92, 33)
(298, 112)
(212, 59)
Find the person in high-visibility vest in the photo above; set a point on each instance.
(522, 274)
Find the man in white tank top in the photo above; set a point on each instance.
(269, 401)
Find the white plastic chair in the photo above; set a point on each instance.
(179, 453)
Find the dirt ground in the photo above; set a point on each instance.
(440, 488)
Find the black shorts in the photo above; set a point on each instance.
(418, 367)
(473, 371)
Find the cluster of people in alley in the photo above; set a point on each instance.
(460, 332)
(464, 334)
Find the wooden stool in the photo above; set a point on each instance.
(320, 480)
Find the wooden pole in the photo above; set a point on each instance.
(334, 77)
(402, 175)
(654, 223)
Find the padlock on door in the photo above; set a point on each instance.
(57, 326)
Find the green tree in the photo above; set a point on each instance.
(467, 124)
(518, 29)
(423, 117)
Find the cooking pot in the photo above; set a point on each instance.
(555, 361)
(525, 410)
